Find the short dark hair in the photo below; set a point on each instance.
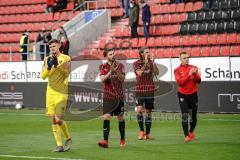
(53, 41)
(106, 50)
(181, 53)
(141, 50)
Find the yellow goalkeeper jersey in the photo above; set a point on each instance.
(57, 76)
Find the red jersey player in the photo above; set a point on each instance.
(112, 75)
(145, 70)
(187, 77)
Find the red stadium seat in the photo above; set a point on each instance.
(140, 31)
(215, 51)
(232, 38)
(196, 52)
(152, 53)
(176, 52)
(159, 52)
(16, 57)
(151, 30)
(174, 28)
(164, 1)
(168, 52)
(142, 42)
(197, 6)
(126, 32)
(158, 42)
(155, 9)
(113, 4)
(119, 12)
(118, 32)
(134, 53)
(164, 19)
(156, 19)
(235, 50)
(166, 41)
(92, 5)
(222, 39)
(140, 22)
(172, 8)
(206, 51)
(151, 42)
(180, 7)
(164, 8)
(225, 51)
(134, 42)
(193, 40)
(182, 17)
(170, 29)
(4, 57)
(212, 39)
(174, 18)
(126, 43)
(184, 40)
(157, 31)
(102, 42)
(101, 4)
(175, 41)
(238, 38)
(203, 39)
(188, 7)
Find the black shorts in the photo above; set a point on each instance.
(147, 102)
(188, 102)
(114, 107)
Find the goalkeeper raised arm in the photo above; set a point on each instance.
(56, 69)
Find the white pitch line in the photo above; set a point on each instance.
(224, 120)
(31, 157)
(22, 114)
(205, 119)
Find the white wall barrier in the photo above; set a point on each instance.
(212, 69)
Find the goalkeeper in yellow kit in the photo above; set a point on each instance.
(57, 68)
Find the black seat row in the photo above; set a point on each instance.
(220, 4)
(210, 27)
(214, 15)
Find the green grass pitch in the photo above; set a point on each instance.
(26, 134)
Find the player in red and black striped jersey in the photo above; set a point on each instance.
(112, 75)
(187, 77)
(145, 70)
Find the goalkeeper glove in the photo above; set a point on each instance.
(50, 63)
(55, 61)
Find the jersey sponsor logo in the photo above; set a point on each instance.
(181, 99)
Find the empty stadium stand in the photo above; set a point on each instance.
(200, 28)
(18, 16)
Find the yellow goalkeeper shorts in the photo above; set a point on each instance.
(56, 104)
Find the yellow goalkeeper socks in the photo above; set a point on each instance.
(57, 134)
(65, 130)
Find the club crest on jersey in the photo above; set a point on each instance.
(182, 74)
(181, 99)
(60, 62)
